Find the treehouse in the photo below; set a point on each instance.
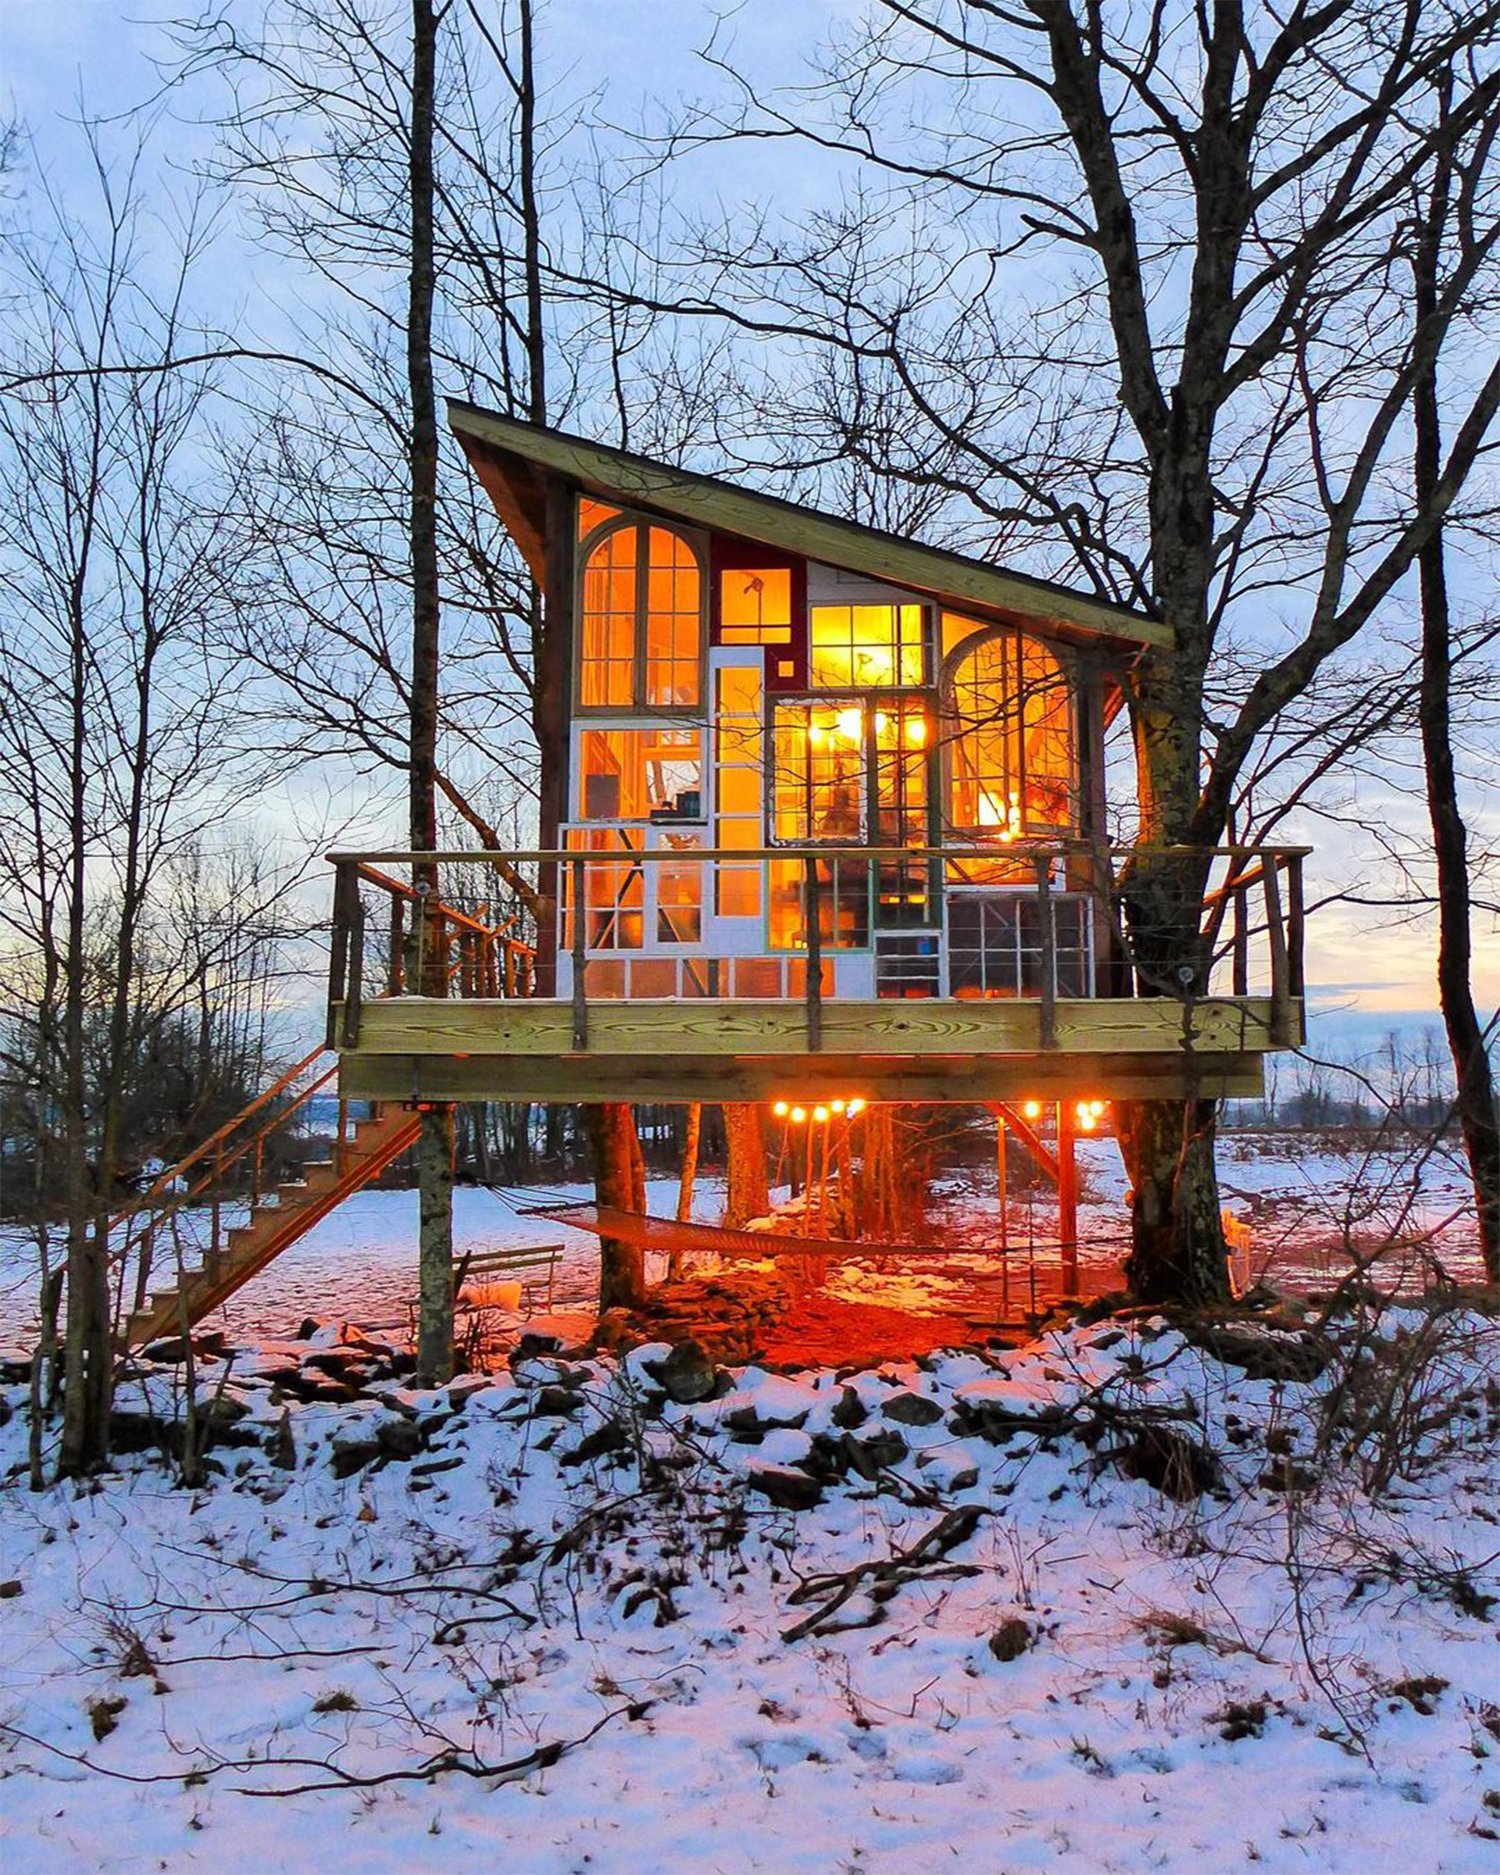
(823, 811)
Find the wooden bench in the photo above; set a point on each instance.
(481, 1266)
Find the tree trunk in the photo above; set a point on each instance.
(1478, 1116)
(620, 1183)
(749, 1187)
(1177, 1249)
(435, 1147)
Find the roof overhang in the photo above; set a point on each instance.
(516, 461)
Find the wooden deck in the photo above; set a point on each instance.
(415, 1048)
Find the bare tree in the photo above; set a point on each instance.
(119, 754)
(1125, 288)
(1446, 227)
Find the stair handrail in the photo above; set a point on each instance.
(165, 1180)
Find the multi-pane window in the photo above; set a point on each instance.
(641, 639)
(997, 945)
(859, 647)
(1012, 761)
(640, 774)
(755, 606)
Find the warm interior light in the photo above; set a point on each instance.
(850, 724)
(1032, 1110)
(820, 1114)
(838, 1106)
(781, 1110)
(882, 722)
(799, 1114)
(856, 1106)
(916, 731)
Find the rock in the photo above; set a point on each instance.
(310, 1327)
(1265, 1350)
(430, 1467)
(610, 1437)
(222, 1409)
(281, 1447)
(687, 1375)
(874, 1452)
(352, 1451)
(1178, 1467)
(532, 1344)
(462, 1390)
(398, 1437)
(335, 1362)
(786, 1489)
(554, 1402)
(1011, 1639)
(851, 1410)
(9, 1590)
(911, 1409)
(172, 1349)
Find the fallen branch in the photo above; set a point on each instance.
(923, 1560)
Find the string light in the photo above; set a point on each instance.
(781, 1110)
(821, 1114)
(1032, 1110)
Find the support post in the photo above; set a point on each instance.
(1067, 1196)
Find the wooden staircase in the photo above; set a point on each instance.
(277, 1217)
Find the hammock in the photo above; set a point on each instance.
(666, 1234)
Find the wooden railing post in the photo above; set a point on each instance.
(1043, 865)
(1281, 1018)
(1296, 919)
(813, 988)
(355, 988)
(579, 952)
(345, 889)
(1240, 944)
(396, 975)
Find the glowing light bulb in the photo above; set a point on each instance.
(838, 1106)
(882, 722)
(850, 724)
(856, 1106)
(799, 1114)
(820, 1114)
(781, 1110)
(1032, 1110)
(916, 731)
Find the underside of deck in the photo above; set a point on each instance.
(414, 1048)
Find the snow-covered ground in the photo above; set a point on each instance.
(569, 1632)
(1308, 1201)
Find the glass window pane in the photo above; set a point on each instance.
(606, 671)
(640, 774)
(858, 647)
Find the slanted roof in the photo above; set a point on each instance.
(515, 461)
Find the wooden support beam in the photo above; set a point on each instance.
(964, 1080)
(1030, 1138)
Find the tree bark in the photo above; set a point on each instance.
(749, 1186)
(1478, 1117)
(620, 1183)
(435, 1147)
(686, 1180)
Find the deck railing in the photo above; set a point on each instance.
(1235, 913)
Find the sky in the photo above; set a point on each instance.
(1362, 965)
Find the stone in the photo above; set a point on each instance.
(532, 1344)
(911, 1409)
(462, 1390)
(875, 1452)
(554, 1402)
(222, 1409)
(785, 1488)
(851, 1410)
(1011, 1639)
(9, 1590)
(398, 1437)
(310, 1326)
(281, 1447)
(687, 1375)
(1178, 1467)
(610, 1437)
(352, 1451)
(1265, 1351)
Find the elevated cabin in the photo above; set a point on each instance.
(825, 810)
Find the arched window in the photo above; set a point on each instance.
(641, 642)
(1012, 757)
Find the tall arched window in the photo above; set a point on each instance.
(1012, 756)
(641, 640)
